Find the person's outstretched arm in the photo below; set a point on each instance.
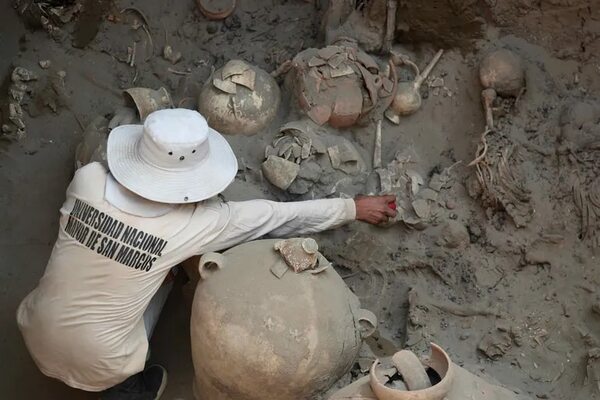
(249, 220)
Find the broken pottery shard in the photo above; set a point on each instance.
(234, 67)
(247, 79)
(346, 158)
(299, 254)
(411, 369)
(306, 149)
(387, 84)
(385, 180)
(392, 116)
(422, 208)
(428, 194)
(296, 150)
(370, 83)
(336, 60)
(225, 86)
(319, 269)
(270, 151)
(415, 180)
(322, 263)
(495, 344)
(279, 270)
(283, 148)
(329, 51)
(280, 172)
(341, 71)
(149, 100)
(347, 107)
(367, 61)
(316, 62)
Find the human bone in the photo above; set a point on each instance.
(502, 70)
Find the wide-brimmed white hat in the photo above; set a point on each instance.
(174, 157)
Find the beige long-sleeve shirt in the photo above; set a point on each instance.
(83, 322)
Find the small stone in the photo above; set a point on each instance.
(299, 186)
(428, 194)
(212, 27)
(454, 235)
(579, 113)
(450, 204)
(45, 64)
(596, 306)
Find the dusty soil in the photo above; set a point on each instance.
(517, 305)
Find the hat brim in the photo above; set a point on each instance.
(202, 182)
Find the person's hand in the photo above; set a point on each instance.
(375, 209)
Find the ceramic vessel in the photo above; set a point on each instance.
(239, 99)
(256, 336)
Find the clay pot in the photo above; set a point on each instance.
(239, 99)
(256, 336)
(216, 9)
(439, 362)
(149, 100)
(338, 84)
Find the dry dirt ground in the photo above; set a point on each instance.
(515, 304)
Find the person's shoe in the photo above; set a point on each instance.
(155, 379)
(146, 385)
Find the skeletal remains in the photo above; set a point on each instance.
(17, 92)
(501, 73)
(497, 182)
